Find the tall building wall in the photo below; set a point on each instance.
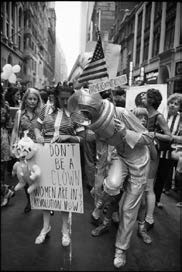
(103, 18)
(86, 13)
(150, 38)
(28, 39)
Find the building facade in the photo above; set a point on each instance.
(150, 35)
(103, 17)
(28, 39)
(61, 73)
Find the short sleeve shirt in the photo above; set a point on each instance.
(47, 120)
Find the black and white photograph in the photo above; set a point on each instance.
(91, 136)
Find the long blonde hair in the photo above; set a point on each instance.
(32, 91)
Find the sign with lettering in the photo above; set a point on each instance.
(60, 186)
(134, 95)
(108, 84)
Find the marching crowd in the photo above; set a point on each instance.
(126, 179)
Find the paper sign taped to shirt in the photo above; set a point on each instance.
(60, 186)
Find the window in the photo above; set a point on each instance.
(158, 10)
(169, 35)
(147, 16)
(146, 48)
(138, 54)
(156, 41)
(170, 25)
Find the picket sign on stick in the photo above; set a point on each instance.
(60, 185)
(108, 84)
(70, 231)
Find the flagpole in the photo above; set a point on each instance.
(99, 19)
(112, 96)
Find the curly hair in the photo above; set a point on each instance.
(32, 91)
(175, 96)
(154, 98)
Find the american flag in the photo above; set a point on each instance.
(96, 68)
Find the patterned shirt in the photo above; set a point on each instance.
(174, 122)
(46, 121)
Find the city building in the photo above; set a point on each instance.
(60, 64)
(150, 35)
(103, 17)
(94, 16)
(28, 39)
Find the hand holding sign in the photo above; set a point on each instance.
(61, 139)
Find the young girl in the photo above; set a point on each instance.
(142, 115)
(25, 119)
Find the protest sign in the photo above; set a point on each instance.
(108, 84)
(133, 96)
(60, 186)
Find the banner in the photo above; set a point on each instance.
(60, 185)
(108, 84)
(133, 96)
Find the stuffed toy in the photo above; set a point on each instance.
(26, 169)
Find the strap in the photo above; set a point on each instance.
(58, 122)
(18, 120)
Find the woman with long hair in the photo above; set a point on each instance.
(25, 119)
(65, 131)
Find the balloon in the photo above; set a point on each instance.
(12, 78)
(7, 67)
(16, 68)
(4, 75)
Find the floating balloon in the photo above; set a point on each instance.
(7, 67)
(16, 68)
(9, 72)
(12, 78)
(4, 76)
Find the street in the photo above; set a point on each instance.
(19, 230)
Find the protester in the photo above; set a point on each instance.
(167, 163)
(142, 115)
(25, 119)
(177, 155)
(44, 96)
(13, 97)
(159, 129)
(132, 160)
(65, 132)
(6, 193)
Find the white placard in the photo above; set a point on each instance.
(132, 93)
(108, 84)
(60, 186)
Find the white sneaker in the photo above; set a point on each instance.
(119, 258)
(4, 202)
(41, 237)
(66, 239)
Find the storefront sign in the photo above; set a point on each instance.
(108, 84)
(60, 186)
(151, 77)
